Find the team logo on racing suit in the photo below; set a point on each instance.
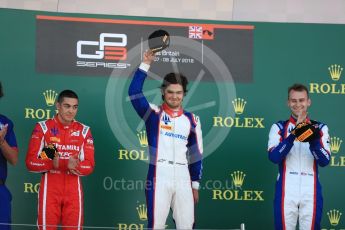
(75, 134)
(239, 105)
(54, 139)
(234, 191)
(49, 97)
(166, 120)
(336, 158)
(54, 131)
(335, 71)
(89, 141)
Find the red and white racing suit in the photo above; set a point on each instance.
(60, 198)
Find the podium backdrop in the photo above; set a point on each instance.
(239, 74)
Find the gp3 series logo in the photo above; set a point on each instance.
(115, 50)
(109, 47)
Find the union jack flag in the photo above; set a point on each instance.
(195, 32)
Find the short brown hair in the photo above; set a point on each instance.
(298, 87)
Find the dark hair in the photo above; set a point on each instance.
(174, 78)
(298, 87)
(1, 92)
(66, 93)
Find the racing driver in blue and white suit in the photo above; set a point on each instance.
(298, 190)
(175, 147)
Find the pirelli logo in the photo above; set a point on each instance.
(305, 135)
(167, 127)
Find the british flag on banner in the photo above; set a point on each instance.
(195, 32)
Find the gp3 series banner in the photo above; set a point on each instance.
(89, 46)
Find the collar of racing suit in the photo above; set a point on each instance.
(172, 113)
(293, 119)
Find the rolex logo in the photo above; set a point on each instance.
(142, 212)
(334, 217)
(239, 104)
(142, 138)
(238, 178)
(335, 144)
(50, 97)
(335, 72)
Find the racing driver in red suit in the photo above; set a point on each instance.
(60, 199)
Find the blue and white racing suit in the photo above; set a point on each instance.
(298, 190)
(175, 148)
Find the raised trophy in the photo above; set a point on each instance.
(158, 40)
